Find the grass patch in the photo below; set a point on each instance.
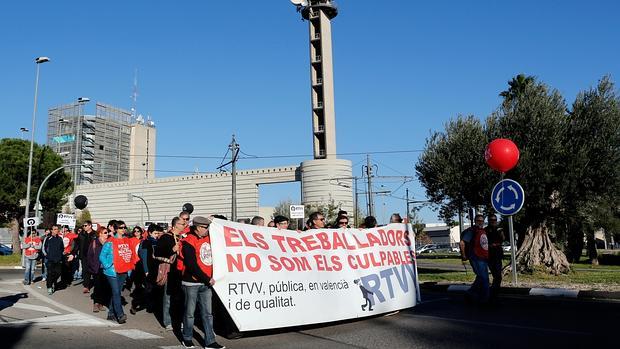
(12, 259)
(458, 276)
(599, 277)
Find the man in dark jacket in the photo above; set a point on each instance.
(495, 235)
(85, 239)
(54, 253)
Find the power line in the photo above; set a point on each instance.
(248, 156)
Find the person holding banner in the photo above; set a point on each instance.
(196, 263)
(316, 220)
(281, 222)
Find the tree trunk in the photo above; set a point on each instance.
(537, 251)
(591, 246)
(14, 229)
(575, 242)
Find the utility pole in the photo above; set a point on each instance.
(234, 147)
(407, 212)
(371, 205)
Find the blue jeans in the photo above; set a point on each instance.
(44, 268)
(31, 265)
(166, 307)
(116, 284)
(201, 295)
(480, 288)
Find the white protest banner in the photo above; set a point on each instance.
(66, 219)
(270, 278)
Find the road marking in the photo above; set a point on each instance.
(6, 290)
(474, 322)
(69, 309)
(554, 292)
(67, 320)
(11, 282)
(28, 307)
(136, 334)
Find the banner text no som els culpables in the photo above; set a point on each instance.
(361, 250)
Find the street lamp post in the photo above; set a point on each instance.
(77, 171)
(38, 61)
(130, 197)
(23, 130)
(36, 205)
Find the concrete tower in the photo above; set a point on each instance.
(319, 13)
(325, 179)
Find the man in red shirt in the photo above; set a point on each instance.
(197, 282)
(31, 246)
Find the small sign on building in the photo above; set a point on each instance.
(296, 211)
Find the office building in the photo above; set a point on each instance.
(104, 147)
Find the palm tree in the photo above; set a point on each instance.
(518, 84)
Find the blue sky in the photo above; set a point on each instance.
(208, 69)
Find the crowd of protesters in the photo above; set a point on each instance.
(168, 271)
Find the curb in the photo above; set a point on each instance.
(526, 291)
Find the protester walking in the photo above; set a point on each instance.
(117, 259)
(31, 246)
(54, 253)
(197, 282)
(169, 276)
(85, 239)
(475, 248)
(48, 233)
(100, 285)
(495, 235)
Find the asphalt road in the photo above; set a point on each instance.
(31, 319)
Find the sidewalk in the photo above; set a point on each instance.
(526, 291)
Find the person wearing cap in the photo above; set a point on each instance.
(197, 281)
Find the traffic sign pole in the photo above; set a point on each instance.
(513, 253)
(507, 198)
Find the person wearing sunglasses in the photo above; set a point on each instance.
(281, 222)
(316, 220)
(117, 258)
(341, 222)
(85, 239)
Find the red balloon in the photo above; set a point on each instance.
(501, 155)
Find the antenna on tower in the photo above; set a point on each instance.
(134, 94)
